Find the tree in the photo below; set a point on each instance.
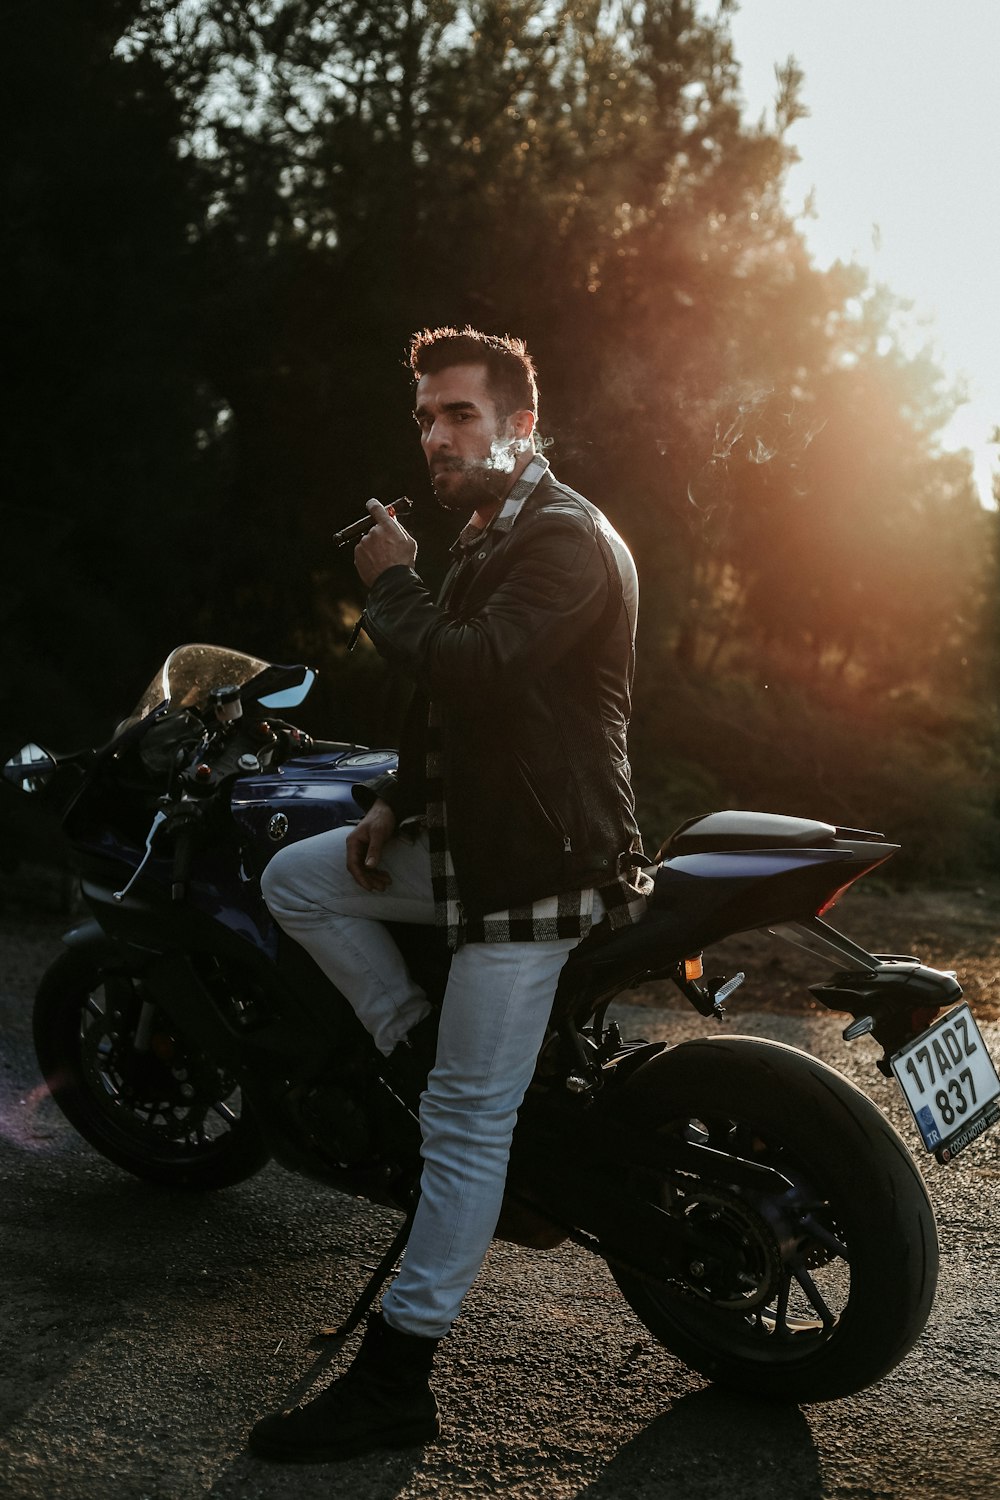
(306, 181)
(109, 424)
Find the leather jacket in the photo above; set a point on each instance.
(528, 656)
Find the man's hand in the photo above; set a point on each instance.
(365, 843)
(387, 545)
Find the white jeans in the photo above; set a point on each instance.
(493, 1019)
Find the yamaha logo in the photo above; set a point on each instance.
(278, 827)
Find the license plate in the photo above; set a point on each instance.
(949, 1082)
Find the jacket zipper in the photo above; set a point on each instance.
(550, 817)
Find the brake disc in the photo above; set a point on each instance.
(167, 1090)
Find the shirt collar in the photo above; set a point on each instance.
(509, 511)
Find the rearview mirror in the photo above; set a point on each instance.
(290, 697)
(30, 768)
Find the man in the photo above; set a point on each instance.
(510, 822)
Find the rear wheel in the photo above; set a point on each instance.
(807, 1292)
(132, 1084)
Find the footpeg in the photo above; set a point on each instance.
(708, 995)
(725, 989)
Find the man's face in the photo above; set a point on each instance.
(462, 437)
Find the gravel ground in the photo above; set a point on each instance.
(145, 1331)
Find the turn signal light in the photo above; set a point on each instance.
(693, 967)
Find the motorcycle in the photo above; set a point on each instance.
(759, 1214)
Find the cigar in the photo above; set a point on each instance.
(357, 529)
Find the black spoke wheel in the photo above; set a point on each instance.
(132, 1084)
(809, 1290)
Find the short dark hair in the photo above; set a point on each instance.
(510, 370)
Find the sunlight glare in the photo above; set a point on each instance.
(901, 151)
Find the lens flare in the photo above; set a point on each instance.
(26, 1120)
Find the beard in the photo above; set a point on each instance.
(470, 486)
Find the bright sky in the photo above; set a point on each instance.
(903, 134)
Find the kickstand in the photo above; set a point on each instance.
(330, 1340)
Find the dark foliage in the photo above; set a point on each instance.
(225, 220)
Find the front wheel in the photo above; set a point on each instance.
(132, 1084)
(806, 1293)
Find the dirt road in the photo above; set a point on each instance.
(144, 1332)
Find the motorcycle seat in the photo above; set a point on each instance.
(716, 832)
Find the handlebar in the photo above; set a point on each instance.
(240, 747)
(198, 771)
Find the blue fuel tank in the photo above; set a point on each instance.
(307, 795)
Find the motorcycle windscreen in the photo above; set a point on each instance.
(189, 675)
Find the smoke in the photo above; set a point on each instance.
(755, 426)
(504, 454)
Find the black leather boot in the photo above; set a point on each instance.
(383, 1401)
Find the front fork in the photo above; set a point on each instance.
(144, 1029)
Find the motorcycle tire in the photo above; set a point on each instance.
(807, 1295)
(164, 1112)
